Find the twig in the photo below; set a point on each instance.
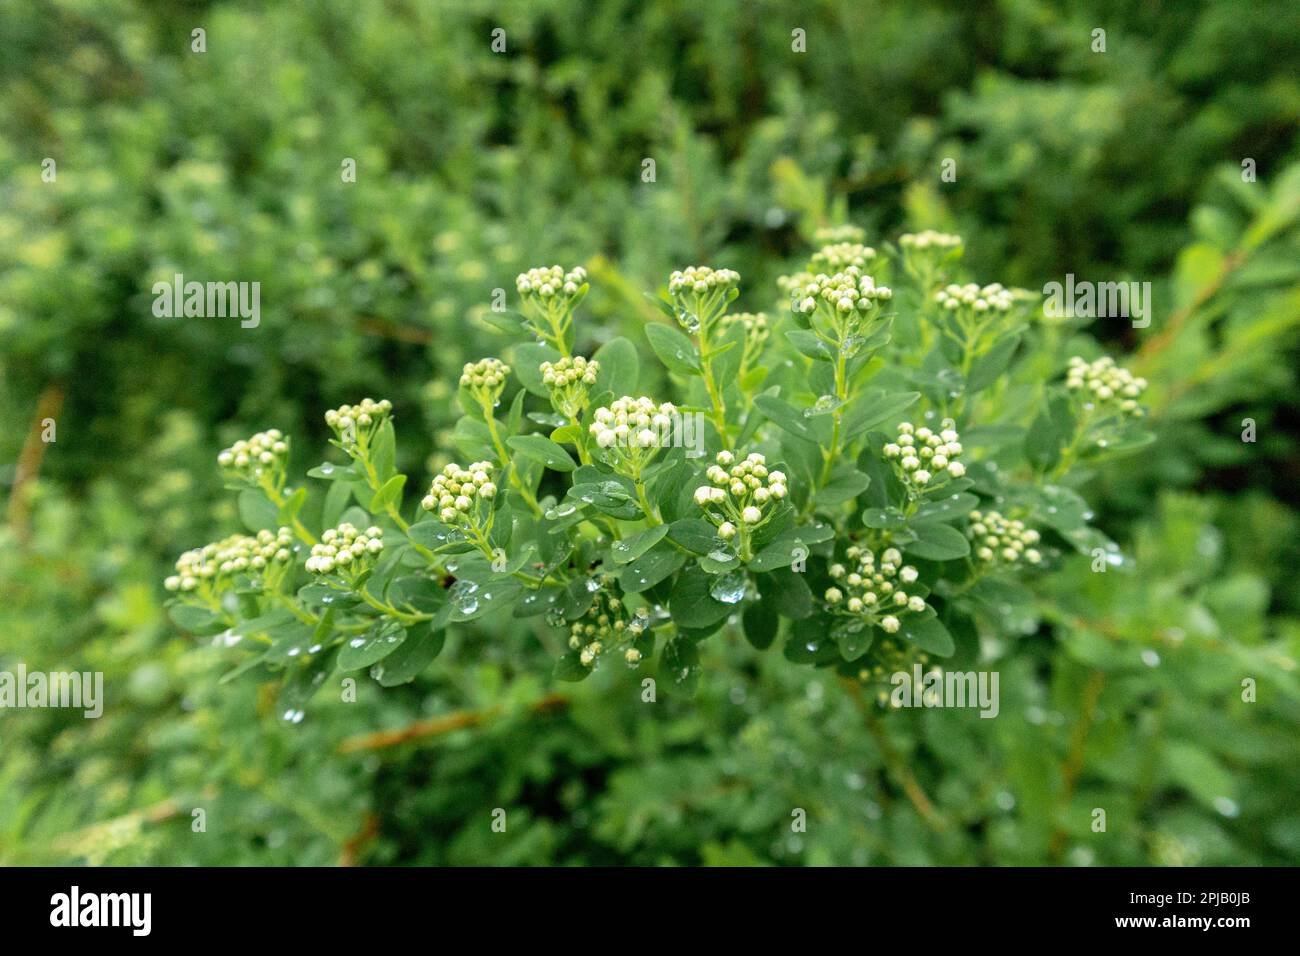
(355, 843)
(1072, 768)
(902, 775)
(29, 462)
(437, 726)
(1157, 343)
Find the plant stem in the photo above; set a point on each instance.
(503, 458)
(276, 497)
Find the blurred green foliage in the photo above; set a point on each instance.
(474, 165)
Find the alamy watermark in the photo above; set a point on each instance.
(74, 908)
(212, 300)
(939, 688)
(1098, 300)
(77, 689)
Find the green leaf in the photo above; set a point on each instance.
(470, 602)
(674, 349)
(567, 434)
(336, 499)
(680, 663)
(761, 624)
(695, 535)
(787, 593)
(257, 511)
(793, 420)
(884, 519)
(692, 605)
(809, 343)
(846, 483)
(472, 437)
(540, 448)
(434, 535)
(196, 620)
(937, 542)
(790, 545)
(389, 494)
(652, 567)
(874, 408)
(947, 508)
(293, 505)
(619, 367)
(528, 359)
(928, 633)
(1050, 431)
(1198, 772)
(302, 683)
(423, 643)
(328, 471)
(383, 451)
(512, 323)
(985, 370)
(570, 668)
(629, 549)
(362, 650)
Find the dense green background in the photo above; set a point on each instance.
(474, 165)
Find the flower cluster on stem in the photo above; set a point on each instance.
(631, 431)
(355, 426)
(741, 497)
(214, 568)
(569, 381)
(924, 459)
(998, 541)
(551, 294)
(874, 591)
(607, 626)
(1106, 384)
(346, 551)
(258, 459)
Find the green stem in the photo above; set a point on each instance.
(503, 459)
(715, 395)
(391, 611)
(649, 510)
(276, 498)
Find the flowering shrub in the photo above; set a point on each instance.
(868, 483)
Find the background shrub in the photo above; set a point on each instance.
(473, 166)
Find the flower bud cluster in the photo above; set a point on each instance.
(550, 295)
(845, 292)
(455, 493)
(569, 380)
(928, 240)
(874, 591)
(632, 430)
(892, 655)
(700, 295)
(838, 256)
(1104, 382)
(920, 455)
(215, 565)
(551, 285)
(740, 496)
(345, 550)
(997, 540)
(702, 280)
(485, 379)
(606, 626)
(265, 454)
(355, 425)
(993, 297)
